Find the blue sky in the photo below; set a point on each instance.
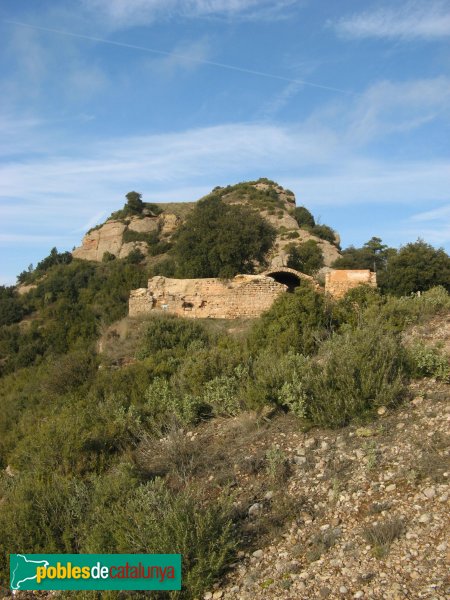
(346, 103)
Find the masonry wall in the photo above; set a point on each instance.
(244, 296)
(339, 282)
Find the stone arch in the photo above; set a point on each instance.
(289, 277)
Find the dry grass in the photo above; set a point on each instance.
(381, 535)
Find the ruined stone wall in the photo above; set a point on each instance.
(337, 282)
(244, 296)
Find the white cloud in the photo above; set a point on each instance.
(433, 215)
(186, 56)
(63, 186)
(281, 100)
(428, 20)
(395, 107)
(85, 81)
(433, 225)
(129, 13)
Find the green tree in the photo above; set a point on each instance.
(373, 255)
(11, 309)
(221, 240)
(415, 267)
(306, 257)
(54, 258)
(303, 217)
(134, 203)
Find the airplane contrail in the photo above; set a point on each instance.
(175, 55)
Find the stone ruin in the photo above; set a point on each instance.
(246, 296)
(339, 282)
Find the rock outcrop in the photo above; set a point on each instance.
(110, 237)
(273, 202)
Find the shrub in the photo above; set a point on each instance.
(222, 393)
(358, 305)
(151, 519)
(108, 257)
(205, 362)
(295, 322)
(355, 372)
(171, 333)
(324, 232)
(135, 257)
(163, 406)
(398, 313)
(428, 362)
(11, 308)
(138, 236)
(303, 217)
(40, 513)
(277, 466)
(381, 535)
(277, 379)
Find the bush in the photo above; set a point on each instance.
(40, 513)
(11, 308)
(399, 313)
(295, 322)
(325, 233)
(223, 393)
(163, 407)
(303, 217)
(138, 236)
(171, 333)
(381, 535)
(134, 257)
(278, 379)
(108, 257)
(428, 362)
(152, 519)
(355, 372)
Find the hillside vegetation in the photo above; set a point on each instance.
(111, 447)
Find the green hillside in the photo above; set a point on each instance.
(100, 413)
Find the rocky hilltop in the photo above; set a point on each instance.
(151, 231)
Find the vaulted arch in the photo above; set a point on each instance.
(289, 277)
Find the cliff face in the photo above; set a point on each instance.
(111, 236)
(120, 236)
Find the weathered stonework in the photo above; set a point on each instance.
(244, 296)
(338, 283)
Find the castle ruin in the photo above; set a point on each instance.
(245, 296)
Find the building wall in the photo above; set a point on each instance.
(339, 282)
(244, 296)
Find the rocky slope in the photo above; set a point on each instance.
(370, 512)
(276, 204)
